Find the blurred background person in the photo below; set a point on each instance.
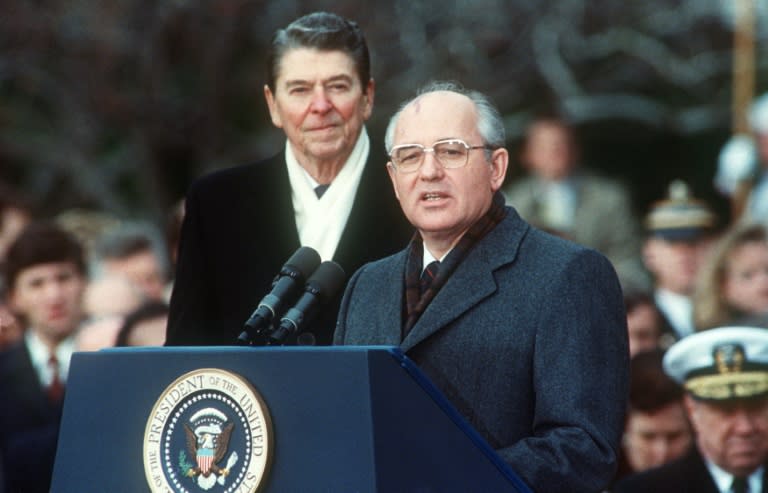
(136, 251)
(46, 273)
(757, 200)
(724, 372)
(656, 428)
(144, 326)
(644, 324)
(173, 222)
(10, 328)
(106, 303)
(562, 197)
(679, 232)
(87, 225)
(733, 284)
(742, 172)
(111, 294)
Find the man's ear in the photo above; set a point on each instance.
(499, 164)
(690, 410)
(273, 113)
(649, 254)
(369, 92)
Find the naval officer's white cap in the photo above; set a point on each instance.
(723, 363)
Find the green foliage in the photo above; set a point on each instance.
(184, 465)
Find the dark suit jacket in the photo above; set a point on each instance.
(689, 474)
(29, 424)
(527, 338)
(238, 231)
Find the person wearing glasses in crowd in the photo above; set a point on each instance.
(524, 332)
(323, 190)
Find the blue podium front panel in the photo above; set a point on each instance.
(279, 419)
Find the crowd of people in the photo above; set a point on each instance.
(540, 293)
(699, 273)
(80, 281)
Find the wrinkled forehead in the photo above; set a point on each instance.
(307, 63)
(435, 116)
(449, 100)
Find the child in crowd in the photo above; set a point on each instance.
(733, 286)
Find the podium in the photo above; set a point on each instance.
(278, 419)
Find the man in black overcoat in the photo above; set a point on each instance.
(326, 190)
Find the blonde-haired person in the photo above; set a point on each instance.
(733, 283)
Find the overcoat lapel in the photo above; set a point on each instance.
(464, 290)
(271, 217)
(472, 281)
(391, 288)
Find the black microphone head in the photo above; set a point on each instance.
(327, 280)
(302, 263)
(285, 288)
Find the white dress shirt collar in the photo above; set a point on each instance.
(559, 203)
(428, 258)
(40, 354)
(724, 479)
(678, 309)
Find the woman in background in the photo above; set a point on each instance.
(733, 285)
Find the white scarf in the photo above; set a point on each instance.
(320, 222)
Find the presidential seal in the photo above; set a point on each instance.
(209, 431)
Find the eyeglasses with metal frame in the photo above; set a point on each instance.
(450, 153)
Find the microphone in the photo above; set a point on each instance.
(284, 289)
(325, 282)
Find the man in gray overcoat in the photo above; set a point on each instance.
(524, 332)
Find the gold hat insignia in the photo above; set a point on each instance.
(729, 358)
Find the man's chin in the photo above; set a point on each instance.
(60, 331)
(327, 149)
(747, 461)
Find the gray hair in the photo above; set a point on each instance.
(128, 239)
(489, 122)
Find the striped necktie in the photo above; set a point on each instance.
(428, 275)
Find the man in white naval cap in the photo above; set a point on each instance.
(725, 375)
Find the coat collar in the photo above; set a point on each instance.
(472, 281)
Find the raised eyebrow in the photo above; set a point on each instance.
(330, 80)
(297, 83)
(339, 78)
